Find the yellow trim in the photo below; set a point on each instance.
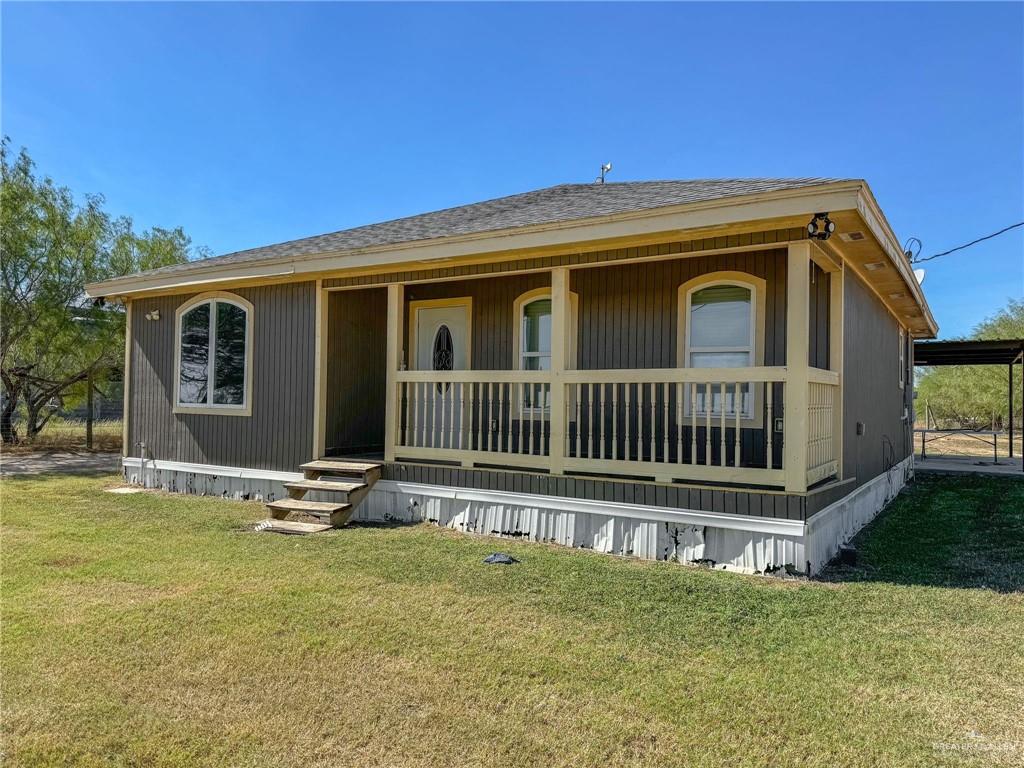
(758, 293)
(795, 414)
(320, 374)
(517, 326)
(837, 340)
(215, 410)
(392, 363)
(902, 356)
(719, 214)
(126, 378)
(461, 301)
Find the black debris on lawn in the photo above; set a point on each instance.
(499, 558)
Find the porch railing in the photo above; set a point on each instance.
(713, 424)
(481, 417)
(822, 420)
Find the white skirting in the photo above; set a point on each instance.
(838, 522)
(734, 542)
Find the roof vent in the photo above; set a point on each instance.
(852, 237)
(898, 295)
(873, 265)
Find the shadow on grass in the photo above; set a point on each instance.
(945, 531)
(394, 523)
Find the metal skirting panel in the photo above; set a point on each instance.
(839, 522)
(618, 534)
(262, 486)
(724, 541)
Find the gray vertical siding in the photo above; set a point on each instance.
(628, 318)
(628, 314)
(818, 330)
(493, 323)
(724, 500)
(279, 433)
(356, 377)
(871, 393)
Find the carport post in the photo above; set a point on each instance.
(1010, 382)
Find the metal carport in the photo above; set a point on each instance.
(1008, 352)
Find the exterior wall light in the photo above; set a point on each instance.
(821, 227)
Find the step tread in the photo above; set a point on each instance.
(313, 507)
(329, 486)
(293, 527)
(328, 465)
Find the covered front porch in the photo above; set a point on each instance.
(598, 370)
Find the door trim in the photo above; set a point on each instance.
(415, 306)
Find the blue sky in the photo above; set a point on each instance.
(254, 123)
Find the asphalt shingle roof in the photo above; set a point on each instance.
(566, 202)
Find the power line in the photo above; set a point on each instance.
(968, 245)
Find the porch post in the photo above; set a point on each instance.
(126, 380)
(836, 322)
(560, 325)
(396, 299)
(320, 374)
(796, 399)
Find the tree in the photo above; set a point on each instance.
(52, 336)
(975, 396)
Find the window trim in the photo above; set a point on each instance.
(209, 408)
(758, 290)
(521, 302)
(903, 358)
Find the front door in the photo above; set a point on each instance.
(442, 332)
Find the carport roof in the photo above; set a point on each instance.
(972, 352)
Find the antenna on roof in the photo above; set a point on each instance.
(606, 168)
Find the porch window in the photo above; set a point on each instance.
(903, 363)
(531, 335)
(535, 343)
(213, 351)
(720, 334)
(535, 349)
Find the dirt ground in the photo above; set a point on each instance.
(965, 445)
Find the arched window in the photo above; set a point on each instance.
(722, 326)
(214, 343)
(532, 335)
(535, 335)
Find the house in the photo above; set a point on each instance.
(689, 370)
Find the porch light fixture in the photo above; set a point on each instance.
(822, 230)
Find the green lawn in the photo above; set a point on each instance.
(152, 629)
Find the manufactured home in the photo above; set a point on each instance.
(714, 371)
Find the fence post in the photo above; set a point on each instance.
(88, 410)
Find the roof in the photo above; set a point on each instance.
(562, 203)
(972, 352)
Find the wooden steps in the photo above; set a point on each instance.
(327, 486)
(292, 527)
(356, 478)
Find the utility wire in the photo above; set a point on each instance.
(968, 245)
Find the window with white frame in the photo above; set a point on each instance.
(213, 354)
(903, 359)
(720, 327)
(535, 347)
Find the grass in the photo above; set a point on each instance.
(152, 629)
